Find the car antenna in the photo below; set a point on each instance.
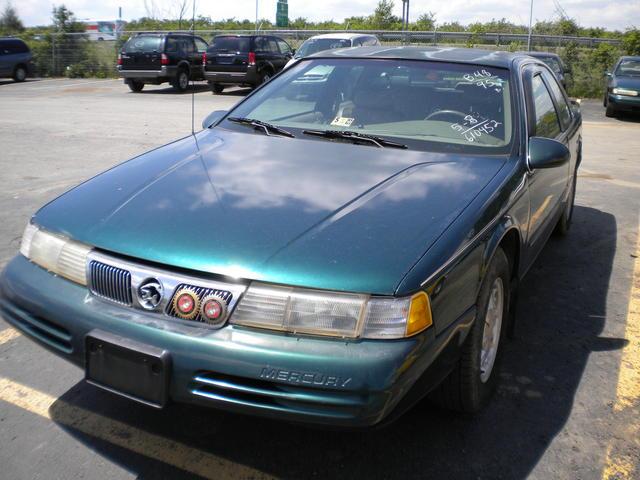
(193, 92)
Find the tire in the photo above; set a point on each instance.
(135, 85)
(181, 82)
(473, 380)
(610, 111)
(217, 88)
(564, 223)
(19, 74)
(264, 78)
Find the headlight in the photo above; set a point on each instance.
(337, 314)
(55, 253)
(624, 91)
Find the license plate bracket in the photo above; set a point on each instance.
(128, 368)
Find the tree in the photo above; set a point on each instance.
(426, 21)
(383, 17)
(631, 41)
(64, 21)
(9, 21)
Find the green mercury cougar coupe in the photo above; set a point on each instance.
(347, 239)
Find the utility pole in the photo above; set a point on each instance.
(257, 16)
(530, 26)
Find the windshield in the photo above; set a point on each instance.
(315, 45)
(426, 105)
(553, 63)
(230, 44)
(142, 44)
(629, 67)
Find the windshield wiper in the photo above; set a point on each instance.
(355, 137)
(260, 125)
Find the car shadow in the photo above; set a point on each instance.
(169, 90)
(560, 321)
(628, 117)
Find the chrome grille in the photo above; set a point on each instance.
(110, 282)
(201, 292)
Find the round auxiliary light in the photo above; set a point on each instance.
(213, 309)
(186, 303)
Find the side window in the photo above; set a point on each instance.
(273, 46)
(357, 42)
(563, 106)
(261, 44)
(172, 45)
(188, 46)
(201, 45)
(284, 47)
(546, 118)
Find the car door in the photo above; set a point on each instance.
(548, 186)
(198, 55)
(276, 57)
(4, 59)
(285, 51)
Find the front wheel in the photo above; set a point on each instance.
(475, 376)
(135, 85)
(217, 88)
(20, 74)
(610, 111)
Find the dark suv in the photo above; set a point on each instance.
(161, 57)
(247, 60)
(15, 59)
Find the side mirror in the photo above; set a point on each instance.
(293, 51)
(213, 117)
(547, 153)
(607, 74)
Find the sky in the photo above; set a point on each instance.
(610, 14)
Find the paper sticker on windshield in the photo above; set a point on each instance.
(342, 121)
(483, 78)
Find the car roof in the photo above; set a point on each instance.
(345, 36)
(630, 57)
(540, 54)
(441, 54)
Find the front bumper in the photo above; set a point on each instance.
(624, 102)
(288, 377)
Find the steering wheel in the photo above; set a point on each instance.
(445, 112)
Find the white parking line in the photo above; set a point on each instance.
(39, 86)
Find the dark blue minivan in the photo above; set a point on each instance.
(15, 59)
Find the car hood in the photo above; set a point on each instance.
(312, 213)
(632, 83)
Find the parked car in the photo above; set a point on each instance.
(157, 58)
(327, 251)
(246, 60)
(330, 41)
(623, 87)
(555, 63)
(16, 60)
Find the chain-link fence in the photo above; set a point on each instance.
(76, 55)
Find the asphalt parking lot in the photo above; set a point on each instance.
(568, 403)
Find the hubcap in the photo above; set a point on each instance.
(492, 327)
(266, 78)
(184, 80)
(21, 74)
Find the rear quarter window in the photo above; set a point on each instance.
(143, 44)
